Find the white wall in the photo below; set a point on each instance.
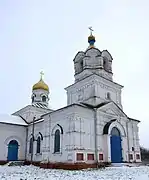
(133, 139)
(64, 118)
(85, 133)
(78, 126)
(78, 135)
(10, 132)
(93, 86)
(38, 127)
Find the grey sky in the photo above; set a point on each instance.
(45, 35)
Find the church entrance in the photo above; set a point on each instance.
(116, 146)
(12, 151)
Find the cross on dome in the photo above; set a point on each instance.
(41, 74)
(91, 30)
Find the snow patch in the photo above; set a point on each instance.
(11, 119)
(110, 173)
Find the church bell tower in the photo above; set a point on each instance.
(93, 61)
(93, 77)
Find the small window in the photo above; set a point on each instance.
(81, 65)
(33, 98)
(108, 96)
(44, 98)
(31, 146)
(104, 62)
(130, 156)
(90, 156)
(80, 157)
(38, 145)
(137, 156)
(100, 156)
(133, 148)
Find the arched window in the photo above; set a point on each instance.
(38, 144)
(115, 132)
(57, 141)
(33, 99)
(31, 146)
(105, 64)
(108, 96)
(44, 98)
(81, 65)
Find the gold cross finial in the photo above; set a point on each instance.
(91, 30)
(41, 74)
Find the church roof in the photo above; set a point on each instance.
(10, 119)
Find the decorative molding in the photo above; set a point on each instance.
(74, 131)
(70, 157)
(8, 139)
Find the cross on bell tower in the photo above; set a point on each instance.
(91, 30)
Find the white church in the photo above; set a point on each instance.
(92, 128)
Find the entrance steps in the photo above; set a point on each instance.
(15, 163)
(117, 164)
(124, 164)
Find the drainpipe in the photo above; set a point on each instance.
(95, 140)
(128, 140)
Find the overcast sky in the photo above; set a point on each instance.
(45, 35)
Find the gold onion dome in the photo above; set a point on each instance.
(41, 85)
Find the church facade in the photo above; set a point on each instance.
(92, 128)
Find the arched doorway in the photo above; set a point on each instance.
(116, 146)
(12, 151)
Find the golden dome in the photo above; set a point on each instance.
(41, 85)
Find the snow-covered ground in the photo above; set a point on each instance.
(35, 173)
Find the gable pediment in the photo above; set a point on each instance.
(112, 109)
(111, 112)
(23, 110)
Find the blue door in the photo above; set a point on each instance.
(116, 147)
(12, 151)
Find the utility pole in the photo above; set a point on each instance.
(32, 146)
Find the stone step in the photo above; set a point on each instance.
(15, 163)
(117, 164)
(125, 164)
